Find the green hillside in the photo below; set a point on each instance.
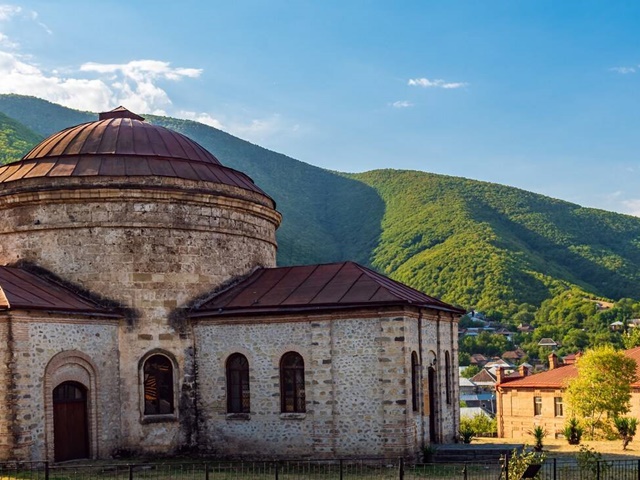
(476, 244)
(15, 139)
(494, 247)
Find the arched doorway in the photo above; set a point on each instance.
(432, 405)
(70, 425)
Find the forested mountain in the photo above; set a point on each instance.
(15, 139)
(476, 244)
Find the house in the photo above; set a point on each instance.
(514, 356)
(141, 310)
(525, 401)
(548, 342)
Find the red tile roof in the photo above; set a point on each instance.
(315, 287)
(558, 377)
(20, 289)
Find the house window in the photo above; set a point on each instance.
(415, 382)
(558, 407)
(292, 383)
(447, 374)
(238, 399)
(537, 405)
(158, 385)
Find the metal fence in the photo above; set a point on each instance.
(395, 469)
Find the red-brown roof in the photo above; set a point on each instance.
(558, 377)
(122, 144)
(20, 289)
(315, 287)
(555, 378)
(483, 376)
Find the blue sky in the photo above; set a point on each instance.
(541, 95)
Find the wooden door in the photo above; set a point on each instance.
(432, 405)
(70, 427)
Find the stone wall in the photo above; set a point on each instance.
(6, 357)
(51, 349)
(358, 385)
(150, 244)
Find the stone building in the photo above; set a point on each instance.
(141, 310)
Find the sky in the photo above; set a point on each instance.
(540, 95)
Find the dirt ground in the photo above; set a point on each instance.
(610, 449)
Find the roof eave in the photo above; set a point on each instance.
(227, 312)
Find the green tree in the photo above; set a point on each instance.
(631, 338)
(470, 371)
(602, 388)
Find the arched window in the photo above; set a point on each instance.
(447, 374)
(238, 399)
(415, 382)
(158, 385)
(292, 383)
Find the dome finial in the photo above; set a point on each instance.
(120, 112)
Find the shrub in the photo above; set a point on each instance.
(480, 424)
(588, 460)
(466, 430)
(538, 433)
(573, 431)
(626, 427)
(520, 461)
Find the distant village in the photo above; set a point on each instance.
(519, 394)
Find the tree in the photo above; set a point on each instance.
(631, 338)
(602, 387)
(470, 371)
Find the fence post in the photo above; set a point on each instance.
(341, 470)
(598, 470)
(206, 471)
(554, 469)
(401, 470)
(130, 472)
(638, 469)
(464, 471)
(506, 466)
(46, 470)
(277, 471)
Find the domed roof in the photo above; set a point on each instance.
(121, 132)
(121, 143)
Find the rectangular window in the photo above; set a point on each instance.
(558, 407)
(537, 405)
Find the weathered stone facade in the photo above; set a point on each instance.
(148, 247)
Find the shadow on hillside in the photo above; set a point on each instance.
(560, 261)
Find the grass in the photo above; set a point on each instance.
(557, 447)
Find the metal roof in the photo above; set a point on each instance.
(121, 143)
(315, 287)
(20, 289)
(559, 376)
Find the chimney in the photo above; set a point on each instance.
(553, 361)
(523, 370)
(499, 375)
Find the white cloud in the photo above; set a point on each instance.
(205, 118)
(436, 83)
(632, 206)
(133, 84)
(401, 104)
(623, 70)
(8, 11)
